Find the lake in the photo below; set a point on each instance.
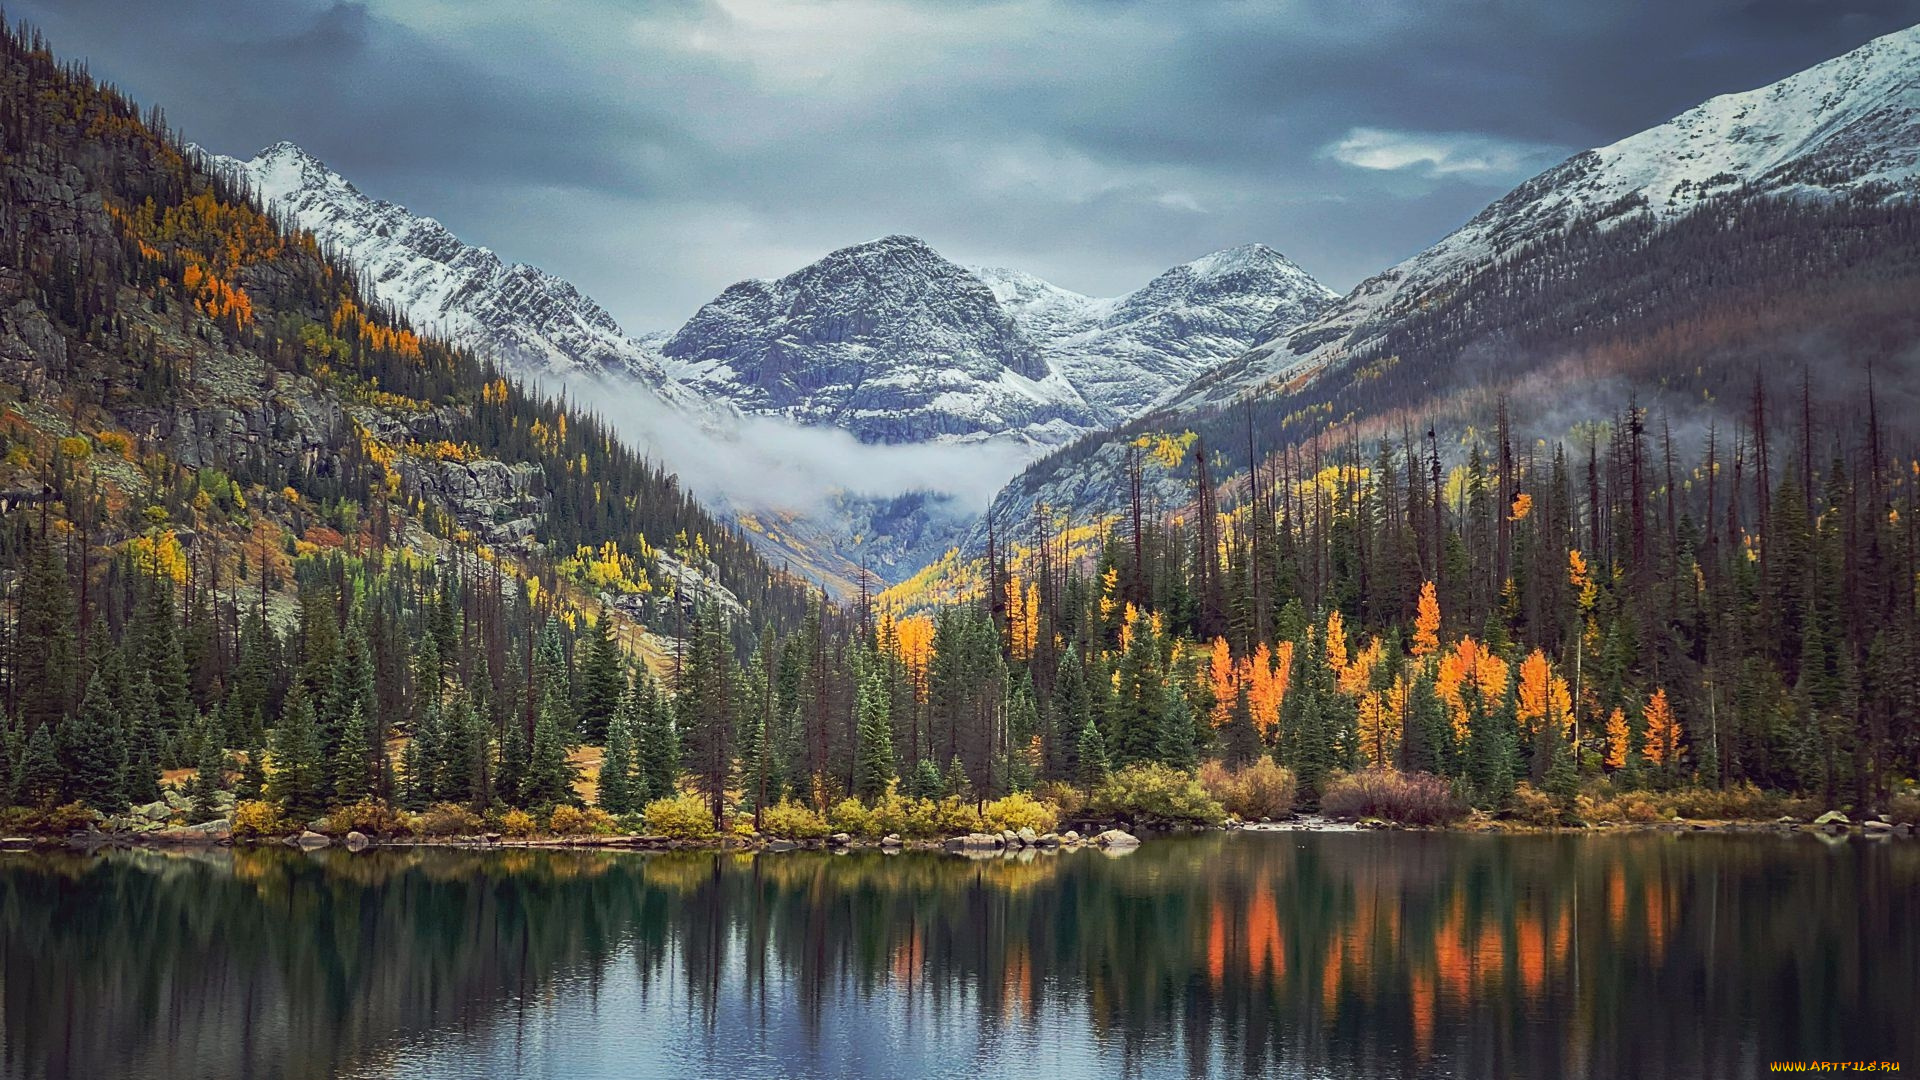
(1289, 954)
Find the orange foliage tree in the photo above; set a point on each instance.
(1663, 731)
(1426, 623)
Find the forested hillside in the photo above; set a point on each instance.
(238, 490)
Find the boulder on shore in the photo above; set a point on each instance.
(1117, 838)
(1831, 817)
(309, 841)
(357, 841)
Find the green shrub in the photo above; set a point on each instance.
(1021, 811)
(682, 817)
(257, 819)
(1410, 798)
(793, 821)
(1156, 793)
(573, 821)
(1261, 790)
(369, 816)
(448, 819)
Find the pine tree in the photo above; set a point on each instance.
(615, 789)
(38, 776)
(252, 784)
(44, 638)
(516, 762)
(550, 773)
(353, 765)
(601, 681)
(658, 744)
(1071, 711)
(298, 782)
(925, 783)
(210, 773)
(1093, 757)
(95, 752)
(873, 771)
(464, 744)
(956, 784)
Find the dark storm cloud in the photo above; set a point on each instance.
(655, 152)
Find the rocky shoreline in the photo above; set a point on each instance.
(1111, 837)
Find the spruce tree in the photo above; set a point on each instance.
(38, 776)
(550, 773)
(615, 789)
(95, 753)
(252, 784)
(925, 782)
(658, 743)
(601, 680)
(464, 742)
(873, 768)
(516, 753)
(956, 784)
(210, 772)
(299, 774)
(1093, 756)
(44, 638)
(353, 765)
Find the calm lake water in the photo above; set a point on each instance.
(1342, 955)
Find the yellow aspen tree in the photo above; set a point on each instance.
(1663, 731)
(1617, 740)
(1223, 679)
(1426, 622)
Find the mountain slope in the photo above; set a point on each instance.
(1753, 233)
(1123, 354)
(520, 314)
(1849, 127)
(191, 378)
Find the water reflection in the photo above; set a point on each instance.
(1351, 955)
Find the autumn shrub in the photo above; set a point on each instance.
(1021, 811)
(1533, 806)
(1904, 808)
(953, 816)
(448, 819)
(1069, 799)
(793, 821)
(905, 815)
(1409, 798)
(47, 820)
(369, 816)
(1736, 802)
(683, 817)
(1155, 793)
(257, 819)
(851, 816)
(518, 824)
(574, 821)
(1263, 789)
(1599, 803)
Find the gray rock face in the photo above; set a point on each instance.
(886, 339)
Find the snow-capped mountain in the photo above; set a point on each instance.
(1849, 126)
(1125, 353)
(1750, 200)
(887, 339)
(536, 322)
(898, 344)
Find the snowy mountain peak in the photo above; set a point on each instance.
(518, 313)
(886, 338)
(1847, 127)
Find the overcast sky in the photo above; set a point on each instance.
(653, 153)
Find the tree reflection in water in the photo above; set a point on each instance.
(1352, 955)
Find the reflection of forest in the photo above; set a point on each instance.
(1365, 955)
